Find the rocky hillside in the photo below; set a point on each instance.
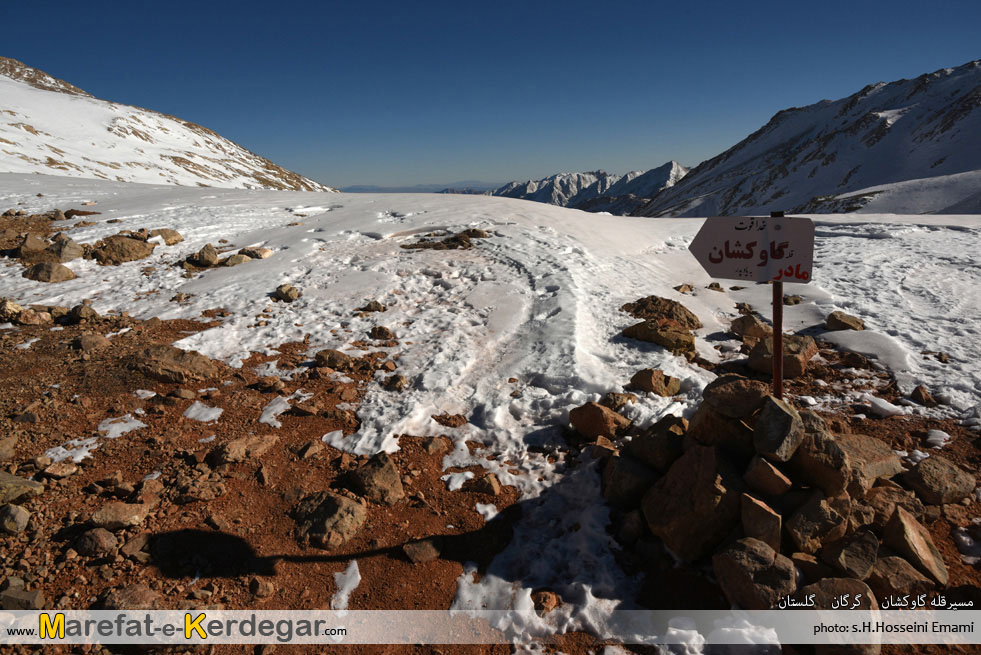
(597, 191)
(842, 155)
(50, 126)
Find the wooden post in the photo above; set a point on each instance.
(777, 331)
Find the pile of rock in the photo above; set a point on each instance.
(666, 322)
(11, 312)
(780, 501)
(209, 257)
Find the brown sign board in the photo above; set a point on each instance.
(756, 248)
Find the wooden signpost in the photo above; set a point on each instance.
(776, 249)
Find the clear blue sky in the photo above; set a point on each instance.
(432, 92)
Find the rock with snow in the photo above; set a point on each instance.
(488, 484)
(884, 408)
(328, 520)
(749, 326)
(287, 293)
(654, 308)
(922, 396)
(655, 381)
(170, 237)
(382, 333)
(905, 535)
(939, 481)
(206, 257)
(9, 310)
(838, 320)
(256, 253)
(666, 333)
(594, 420)
(753, 575)
(49, 272)
(235, 260)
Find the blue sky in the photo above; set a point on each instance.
(435, 92)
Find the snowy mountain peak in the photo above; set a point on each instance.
(49, 126)
(839, 155)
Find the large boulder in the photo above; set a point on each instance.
(169, 364)
(735, 396)
(798, 350)
(655, 381)
(65, 250)
(839, 320)
(905, 535)
(594, 420)
(328, 520)
(869, 460)
(696, 504)
(116, 250)
(666, 333)
(49, 272)
(753, 575)
(938, 481)
(654, 308)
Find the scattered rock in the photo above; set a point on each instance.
(235, 260)
(19, 599)
(841, 321)
(715, 286)
(488, 484)
(753, 575)
(96, 543)
(655, 381)
(117, 515)
(243, 448)
(49, 272)
(66, 250)
(695, 505)
(617, 401)
(397, 382)
(170, 237)
(923, 397)
(33, 317)
(381, 333)
(779, 430)
(60, 470)
(328, 520)
(792, 300)
(797, 352)
(90, 341)
(373, 306)
(311, 449)
(9, 310)
(205, 258)
(379, 480)
(450, 420)
(80, 313)
(117, 250)
(424, 550)
(14, 489)
(545, 601)
(684, 288)
(655, 308)
(332, 359)
(938, 481)
(287, 292)
(8, 448)
(593, 420)
(169, 364)
(261, 587)
(13, 518)
(904, 534)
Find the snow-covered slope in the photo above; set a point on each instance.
(49, 126)
(536, 302)
(807, 159)
(596, 191)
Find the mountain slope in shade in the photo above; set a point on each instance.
(847, 155)
(597, 190)
(49, 126)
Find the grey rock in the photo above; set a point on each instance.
(379, 480)
(779, 430)
(753, 575)
(328, 520)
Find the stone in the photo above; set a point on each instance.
(883, 502)
(631, 527)
(869, 460)
(397, 382)
(654, 308)
(81, 313)
(205, 258)
(60, 470)
(31, 247)
(378, 480)
(256, 253)
(829, 592)
(593, 420)
(753, 575)
(792, 299)
(311, 449)
(8, 448)
(169, 364)
(382, 333)
(436, 445)
(905, 535)
(261, 588)
(328, 520)
(424, 550)
(136, 548)
(332, 359)
(665, 333)
(695, 505)
(923, 397)
(760, 521)
(838, 320)
(655, 381)
(19, 599)
(545, 601)
(810, 568)
(749, 325)
(287, 293)
(894, 576)
(116, 250)
(765, 478)
(735, 396)
(822, 462)
(712, 428)
(779, 430)
(235, 260)
(9, 310)
(661, 445)
(13, 518)
(617, 401)
(815, 523)
(132, 597)
(65, 250)
(488, 484)
(49, 272)
(797, 352)
(14, 489)
(33, 317)
(243, 448)
(90, 341)
(854, 556)
(96, 543)
(117, 515)
(938, 481)
(625, 481)
(170, 237)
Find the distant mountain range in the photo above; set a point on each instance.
(910, 146)
(463, 186)
(597, 191)
(50, 126)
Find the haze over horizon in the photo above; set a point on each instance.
(409, 95)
